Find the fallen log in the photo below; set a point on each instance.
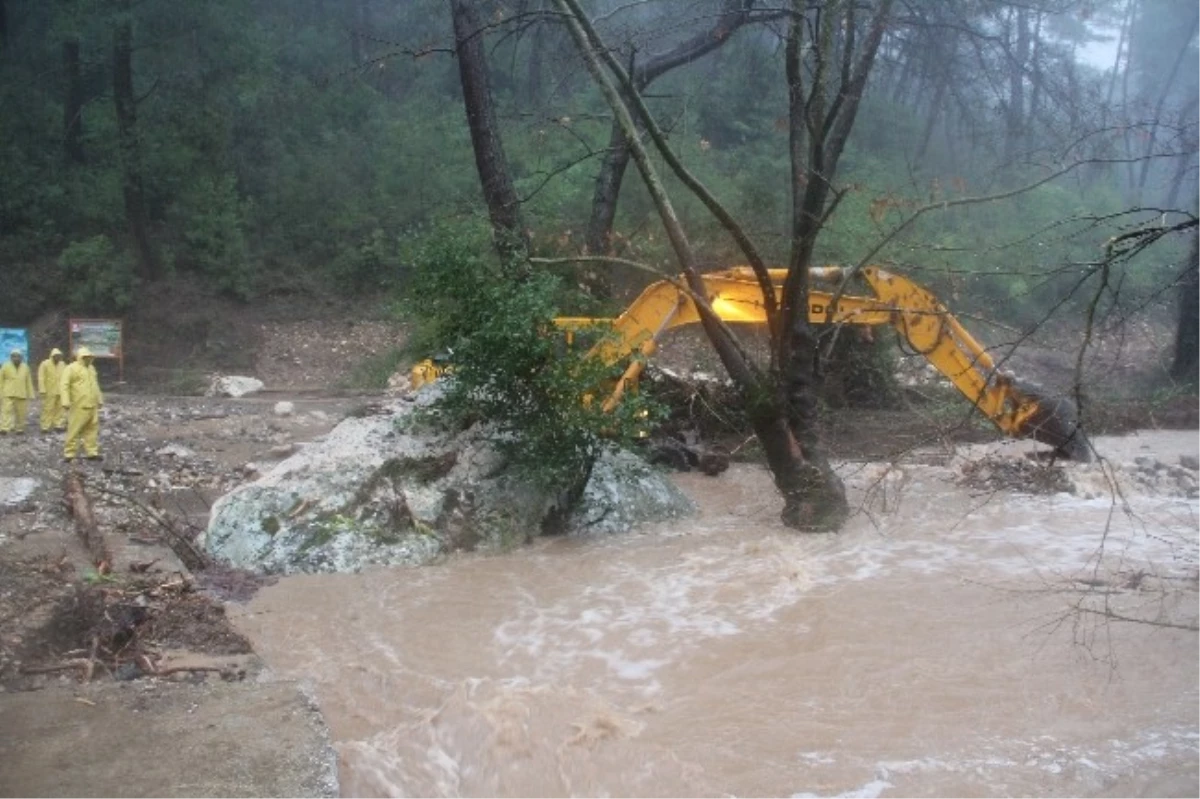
(77, 663)
(85, 522)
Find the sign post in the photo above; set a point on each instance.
(14, 338)
(102, 337)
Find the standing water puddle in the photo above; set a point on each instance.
(934, 647)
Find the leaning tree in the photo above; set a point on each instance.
(830, 53)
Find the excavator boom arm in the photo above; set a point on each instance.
(1018, 409)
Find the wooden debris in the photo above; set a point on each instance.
(85, 522)
(76, 663)
(194, 558)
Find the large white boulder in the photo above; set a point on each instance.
(387, 488)
(233, 386)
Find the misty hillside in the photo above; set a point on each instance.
(311, 147)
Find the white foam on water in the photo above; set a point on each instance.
(1084, 768)
(730, 655)
(869, 790)
(637, 620)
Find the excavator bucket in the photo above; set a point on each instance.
(1055, 421)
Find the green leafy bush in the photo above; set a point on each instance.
(512, 367)
(99, 277)
(214, 241)
(370, 264)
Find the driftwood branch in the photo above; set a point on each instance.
(194, 558)
(85, 522)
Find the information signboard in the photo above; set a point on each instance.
(101, 336)
(14, 338)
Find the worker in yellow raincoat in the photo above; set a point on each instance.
(16, 389)
(81, 399)
(49, 382)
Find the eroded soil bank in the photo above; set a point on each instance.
(133, 683)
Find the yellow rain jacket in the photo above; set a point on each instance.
(50, 376)
(80, 395)
(16, 382)
(79, 386)
(49, 385)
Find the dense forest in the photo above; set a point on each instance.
(1025, 159)
(301, 145)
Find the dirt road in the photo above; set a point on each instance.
(210, 719)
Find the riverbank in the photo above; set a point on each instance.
(235, 696)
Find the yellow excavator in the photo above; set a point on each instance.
(1018, 408)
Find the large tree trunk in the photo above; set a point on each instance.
(85, 522)
(504, 207)
(607, 194)
(72, 103)
(1167, 86)
(765, 410)
(1015, 118)
(1183, 171)
(1187, 333)
(783, 417)
(819, 127)
(1036, 80)
(935, 108)
(734, 14)
(1130, 167)
(358, 25)
(537, 47)
(132, 186)
(814, 497)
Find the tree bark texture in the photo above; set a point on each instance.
(1183, 170)
(358, 24)
(734, 15)
(1018, 58)
(537, 50)
(72, 103)
(1187, 333)
(504, 207)
(819, 127)
(1164, 92)
(814, 497)
(766, 413)
(85, 523)
(935, 108)
(132, 186)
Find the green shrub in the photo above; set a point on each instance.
(214, 241)
(374, 371)
(371, 264)
(99, 277)
(511, 365)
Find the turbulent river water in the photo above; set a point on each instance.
(950, 641)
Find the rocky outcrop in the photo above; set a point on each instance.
(386, 487)
(233, 386)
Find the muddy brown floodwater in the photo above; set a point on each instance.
(932, 648)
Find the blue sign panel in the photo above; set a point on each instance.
(14, 338)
